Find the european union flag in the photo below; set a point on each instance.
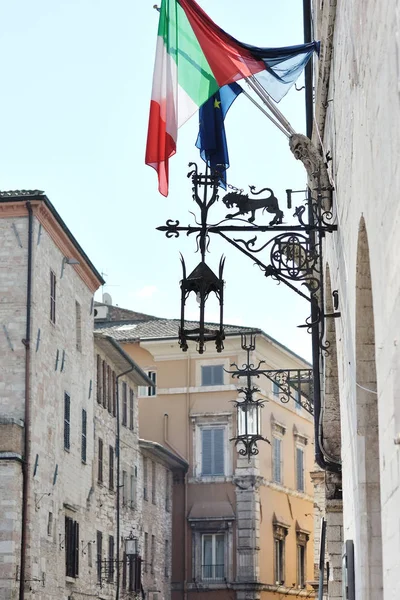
(211, 140)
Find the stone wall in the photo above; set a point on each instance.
(363, 139)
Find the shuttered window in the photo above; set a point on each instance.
(111, 468)
(145, 484)
(131, 409)
(110, 558)
(99, 544)
(114, 394)
(67, 422)
(99, 379)
(300, 469)
(124, 403)
(100, 462)
(71, 547)
(212, 451)
(277, 459)
(145, 390)
(124, 487)
(84, 436)
(109, 390)
(212, 375)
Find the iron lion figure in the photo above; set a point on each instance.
(247, 205)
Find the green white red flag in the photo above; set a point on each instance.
(194, 58)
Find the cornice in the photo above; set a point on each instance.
(56, 233)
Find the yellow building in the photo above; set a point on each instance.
(241, 529)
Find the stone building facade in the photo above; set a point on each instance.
(356, 126)
(72, 519)
(240, 529)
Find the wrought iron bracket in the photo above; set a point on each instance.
(292, 254)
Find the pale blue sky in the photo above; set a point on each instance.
(76, 80)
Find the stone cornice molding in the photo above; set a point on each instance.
(45, 217)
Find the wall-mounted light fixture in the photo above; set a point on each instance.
(68, 261)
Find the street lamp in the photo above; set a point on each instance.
(131, 545)
(292, 255)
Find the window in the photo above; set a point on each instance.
(279, 558)
(280, 530)
(166, 558)
(99, 544)
(135, 574)
(71, 547)
(212, 451)
(276, 390)
(153, 481)
(110, 559)
(145, 491)
(131, 413)
(213, 556)
(124, 404)
(145, 390)
(67, 421)
(78, 326)
(114, 394)
(104, 370)
(212, 375)
(84, 436)
(277, 459)
(301, 566)
(50, 524)
(124, 487)
(52, 297)
(133, 488)
(111, 468)
(109, 390)
(300, 469)
(100, 462)
(153, 550)
(99, 379)
(146, 551)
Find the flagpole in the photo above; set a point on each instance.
(262, 94)
(265, 113)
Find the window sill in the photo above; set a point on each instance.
(71, 580)
(210, 479)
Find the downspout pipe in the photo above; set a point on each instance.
(117, 451)
(25, 464)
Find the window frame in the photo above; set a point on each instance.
(131, 409)
(214, 565)
(278, 441)
(145, 391)
(99, 380)
(200, 422)
(145, 478)
(300, 481)
(99, 552)
(111, 551)
(212, 368)
(111, 454)
(124, 418)
(100, 460)
(213, 442)
(71, 547)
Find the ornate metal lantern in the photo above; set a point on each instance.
(202, 281)
(131, 544)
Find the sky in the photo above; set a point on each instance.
(76, 84)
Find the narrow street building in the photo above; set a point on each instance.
(240, 528)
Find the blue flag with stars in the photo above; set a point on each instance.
(211, 140)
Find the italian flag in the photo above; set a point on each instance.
(194, 58)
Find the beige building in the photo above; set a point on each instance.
(239, 528)
(74, 520)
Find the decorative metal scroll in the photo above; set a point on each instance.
(291, 255)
